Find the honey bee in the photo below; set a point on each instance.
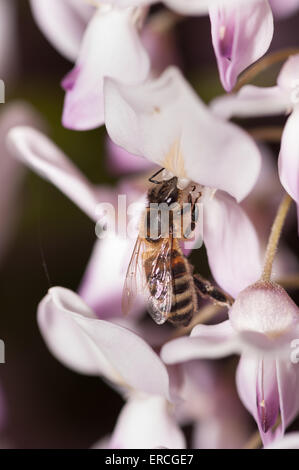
(158, 267)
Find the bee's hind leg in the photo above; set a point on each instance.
(207, 290)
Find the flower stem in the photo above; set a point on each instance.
(275, 236)
(289, 282)
(264, 64)
(266, 134)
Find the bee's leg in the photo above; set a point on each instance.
(152, 180)
(194, 214)
(206, 290)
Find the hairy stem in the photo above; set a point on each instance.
(275, 236)
(264, 64)
(266, 134)
(289, 282)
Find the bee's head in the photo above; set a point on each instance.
(166, 192)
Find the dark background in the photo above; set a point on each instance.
(49, 406)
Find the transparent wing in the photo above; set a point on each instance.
(134, 278)
(160, 284)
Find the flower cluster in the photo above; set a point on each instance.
(127, 76)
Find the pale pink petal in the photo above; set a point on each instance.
(147, 423)
(92, 346)
(288, 77)
(153, 120)
(264, 308)
(284, 8)
(39, 153)
(288, 161)
(232, 244)
(238, 42)
(288, 384)
(267, 397)
(289, 441)
(63, 23)
(110, 34)
(258, 390)
(64, 337)
(205, 342)
(252, 101)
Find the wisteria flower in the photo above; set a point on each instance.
(262, 324)
(39, 153)
(92, 346)
(111, 33)
(153, 120)
(237, 42)
(226, 225)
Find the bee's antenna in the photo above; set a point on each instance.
(151, 179)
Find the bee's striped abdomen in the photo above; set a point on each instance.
(183, 298)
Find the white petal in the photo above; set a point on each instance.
(238, 43)
(153, 120)
(147, 423)
(289, 441)
(111, 47)
(63, 22)
(35, 150)
(81, 341)
(288, 161)
(232, 244)
(205, 342)
(288, 77)
(252, 101)
(249, 383)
